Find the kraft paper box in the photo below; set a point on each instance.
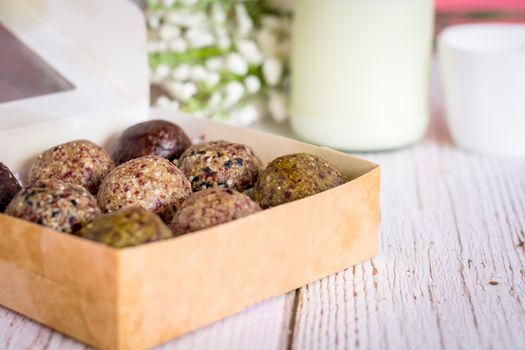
(138, 297)
(135, 298)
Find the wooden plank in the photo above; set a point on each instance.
(262, 326)
(18, 332)
(451, 267)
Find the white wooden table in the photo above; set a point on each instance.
(450, 271)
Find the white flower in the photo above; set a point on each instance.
(162, 71)
(272, 71)
(246, 115)
(218, 14)
(212, 79)
(156, 46)
(272, 37)
(253, 84)
(165, 102)
(178, 44)
(182, 25)
(250, 51)
(153, 20)
(173, 106)
(223, 40)
(188, 91)
(235, 63)
(174, 88)
(215, 64)
(198, 38)
(162, 101)
(195, 19)
(214, 101)
(168, 31)
(198, 73)
(180, 90)
(168, 3)
(268, 41)
(176, 18)
(245, 23)
(163, 46)
(278, 106)
(234, 92)
(181, 72)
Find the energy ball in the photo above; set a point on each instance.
(150, 182)
(295, 176)
(126, 228)
(154, 137)
(79, 162)
(9, 186)
(220, 164)
(58, 205)
(211, 207)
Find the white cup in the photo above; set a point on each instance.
(483, 73)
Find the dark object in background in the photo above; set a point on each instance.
(126, 228)
(212, 207)
(220, 164)
(154, 137)
(9, 186)
(295, 176)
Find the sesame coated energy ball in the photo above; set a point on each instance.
(295, 176)
(211, 207)
(58, 205)
(154, 137)
(150, 182)
(9, 186)
(79, 162)
(220, 164)
(126, 228)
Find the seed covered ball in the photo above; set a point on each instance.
(220, 164)
(9, 186)
(295, 176)
(150, 182)
(154, 137)
(58, 205)
(126, 228)
(78, 162)
(212, 207)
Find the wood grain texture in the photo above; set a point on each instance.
(451, 269)
(450, 272)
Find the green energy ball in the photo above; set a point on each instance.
(154, 137)
(212, 207)
(126, 228)
(150, 182)
(78, 162)
(295, 176)
(220, 164)
(58, 205)
(9, 186)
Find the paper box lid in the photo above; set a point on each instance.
(98, 46)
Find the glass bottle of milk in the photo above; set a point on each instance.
(360, 72)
